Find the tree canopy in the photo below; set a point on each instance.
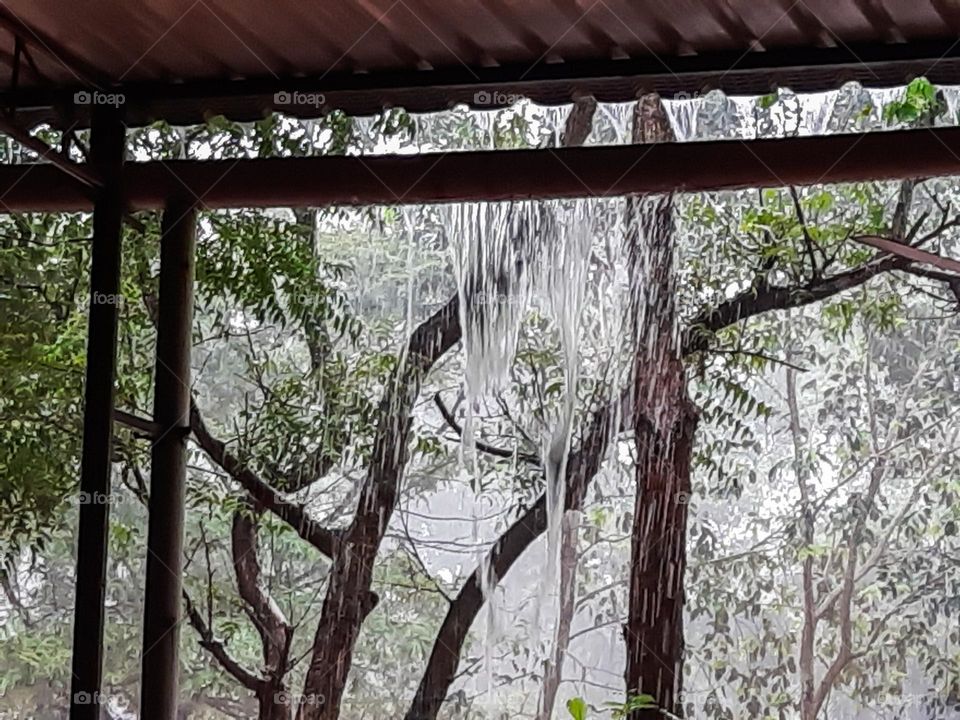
(418, 450)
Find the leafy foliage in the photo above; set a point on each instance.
(299, 319)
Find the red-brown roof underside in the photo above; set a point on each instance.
(181, 59)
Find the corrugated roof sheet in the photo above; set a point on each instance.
(181, 58)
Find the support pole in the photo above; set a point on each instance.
(168, 473)
(107, 145)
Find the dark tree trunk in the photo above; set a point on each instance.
(664, 421)
(349, 600)
(274, 702)
(654, 630)
(569, 561)
(445, 656)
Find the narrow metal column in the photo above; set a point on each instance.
(107, 144)
(168, 473)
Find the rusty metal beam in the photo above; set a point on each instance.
(504, 175)
(84, 173)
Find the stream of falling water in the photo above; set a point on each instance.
(492, 246)
(509, 259)
(562, 286)
(514, 259)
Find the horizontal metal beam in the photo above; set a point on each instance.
(150, 429)
(83, 173)
(504, 175)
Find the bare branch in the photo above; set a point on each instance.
(324, 540)
(411, 549)
(760, 356)
(445, 656)
(763, 297)
(348, 600)
(952, 281)
(909, 252)
(219, 651)
(482, 446)
(808, 241)
(272, 626)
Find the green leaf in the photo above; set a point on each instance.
(577, 708)
(767, 101)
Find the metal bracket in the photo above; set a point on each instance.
(136, 422)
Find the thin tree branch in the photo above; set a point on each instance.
(952, 281)
(482, 446)
(272, 626)
(763, 297)
(760, 356)
(218, 650)
(808, 241)
(325, 540)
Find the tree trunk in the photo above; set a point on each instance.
(276, 634)
(441, 668)
(808, 710)
(274, 702)
(664, 422)
(349, 600)
(569, 559)
(654, 630)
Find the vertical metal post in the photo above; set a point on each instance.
(107, 145)
(168, 473)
